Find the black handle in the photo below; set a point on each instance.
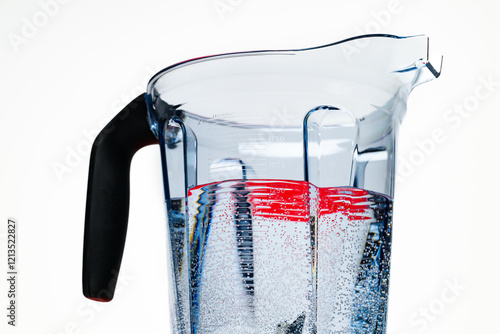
(106, 214)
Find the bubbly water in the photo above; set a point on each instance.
(272, 256)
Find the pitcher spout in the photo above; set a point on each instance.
(379, 60)
(421, 71)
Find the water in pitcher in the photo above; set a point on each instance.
(271, 256)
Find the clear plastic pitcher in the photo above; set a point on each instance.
(278, 171)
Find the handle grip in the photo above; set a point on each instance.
(107, 208)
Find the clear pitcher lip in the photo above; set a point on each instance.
(368, 69)
(167, 69)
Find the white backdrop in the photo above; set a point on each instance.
(67, 66)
